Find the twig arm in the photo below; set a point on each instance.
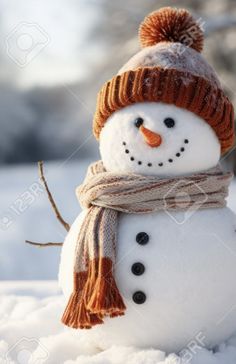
(51, 199)
(43, 245)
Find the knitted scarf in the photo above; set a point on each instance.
(104, 195)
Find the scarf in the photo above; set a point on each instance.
(105, 194)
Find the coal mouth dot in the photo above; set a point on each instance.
(170, 160)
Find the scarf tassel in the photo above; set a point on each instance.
(76, 314)
(106, 299)
(93, 298)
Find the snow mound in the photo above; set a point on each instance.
(31, 332)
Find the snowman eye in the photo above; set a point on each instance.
(138, 122)
(169, 122)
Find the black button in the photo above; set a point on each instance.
(138, 269)
(139, 297)
(142, 238)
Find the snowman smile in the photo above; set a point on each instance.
(132, 158)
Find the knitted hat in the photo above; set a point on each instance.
(169, 69)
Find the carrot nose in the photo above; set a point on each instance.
(151, 138)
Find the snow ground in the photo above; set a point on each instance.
(31, 333)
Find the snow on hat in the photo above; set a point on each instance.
(170, 69)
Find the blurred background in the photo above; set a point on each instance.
(54, 57)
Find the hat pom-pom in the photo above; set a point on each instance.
(171, 25)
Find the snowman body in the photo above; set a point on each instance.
(175, 275)
(175, 270)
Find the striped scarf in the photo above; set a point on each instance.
(105, 194)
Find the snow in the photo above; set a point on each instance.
(31, 332)
(184, 59)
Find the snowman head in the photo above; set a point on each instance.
(165, 112)
(158, 139)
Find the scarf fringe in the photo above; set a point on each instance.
(93, 298)
(106, 299)
(76, 314)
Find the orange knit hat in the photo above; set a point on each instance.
(169, 69)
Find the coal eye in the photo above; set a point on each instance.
(169, 122)
(138, 122)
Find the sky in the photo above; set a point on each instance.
(46, 42)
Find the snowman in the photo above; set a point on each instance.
(163, 123)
